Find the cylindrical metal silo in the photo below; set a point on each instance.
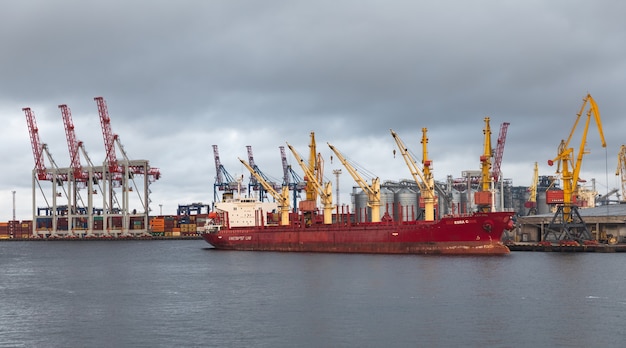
(406, 205)
(360, 206)
(456, 201)
(542, 205)
(386, 201)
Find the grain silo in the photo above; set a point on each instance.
(406, 205)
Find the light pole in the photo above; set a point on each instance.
(13, 205)
(160, 209)
(337, 172)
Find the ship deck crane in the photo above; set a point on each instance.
(373, 190)
(325, 190)
(621, 169)
(571, 225)
(424, 179)
(282, 198)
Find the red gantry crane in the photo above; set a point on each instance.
(41, 173)
(124, 171)
(81, 176)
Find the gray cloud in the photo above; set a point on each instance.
(180, 77)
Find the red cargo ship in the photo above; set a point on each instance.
(241, 224)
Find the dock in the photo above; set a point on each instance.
(567, 248)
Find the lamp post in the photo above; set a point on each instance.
(13, 205)
(337, 172)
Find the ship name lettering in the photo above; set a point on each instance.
(461, 222)
(240, 238)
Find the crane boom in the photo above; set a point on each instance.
(253, 180)
(282, 198)
(325, 190)
(38, 146)
(283, 159)
(425, 184)
(533, 186)
(621, 168)
(497, 158)
(311, 190)
(108, 136)
(373, 190)
(72, 144)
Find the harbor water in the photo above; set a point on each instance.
(183, 293)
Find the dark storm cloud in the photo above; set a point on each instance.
(181, 76)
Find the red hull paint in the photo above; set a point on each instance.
(476, 234)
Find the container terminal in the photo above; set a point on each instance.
(85, 201)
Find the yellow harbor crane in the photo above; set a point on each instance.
(315, 168)
(373, 190)
(325, 190)
(570, 170)
(621, 169)
(532, 199)
(281, 198)
(424, 179)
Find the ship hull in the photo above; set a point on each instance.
(479, 234)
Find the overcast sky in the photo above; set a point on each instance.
(181, 76)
